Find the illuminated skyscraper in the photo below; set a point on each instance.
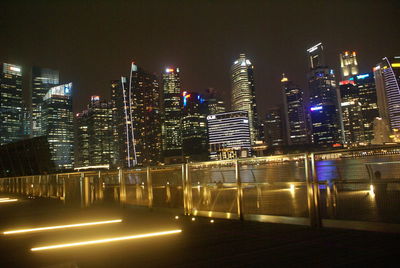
(324, 105)
(10, 103)
(41, 81)
(229, 135)
(58, 125)
(294, 113)
(348, 64)
(387, 79)
(214, 102)
(171, 96)
(94, 134)
(359, 108)
(274, 128)
(244, 93)
(137, 124)
(194, 127)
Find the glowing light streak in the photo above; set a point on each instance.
(106, 240)
(8, 200)
(61, 226)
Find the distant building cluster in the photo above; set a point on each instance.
(152, 120)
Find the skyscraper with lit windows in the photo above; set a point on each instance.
(194, 127)
(42, 80)
(387, 79)
(94, 134)
(58, 125)
(324, 104)
(348, 64)
(294, 113)
(244, 92)
(137, 113)
(171, 127)
(11, 110)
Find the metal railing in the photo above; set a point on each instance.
(331, 189)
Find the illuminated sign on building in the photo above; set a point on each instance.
(362, 76)
(316, 108)
(314, 48)
(61, 90)
(346, 82)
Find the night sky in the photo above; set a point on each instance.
(93, 42)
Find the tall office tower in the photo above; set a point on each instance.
(42, 80)
(10, 103)
(229, 135)
(94, 139)
(387, 79)
(171, 96)
(81, 146)
(294, 113)
(26, 121)
(136, 109)
(274, 128)
(119, 126)
(194, 127)
(214, 102)
(348, 64)
(359, 92)
(324, 106)
(244, 93)
(58, 125)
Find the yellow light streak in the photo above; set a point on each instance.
(8, 200)
(60, 226)
(106, 240)
(4, 198)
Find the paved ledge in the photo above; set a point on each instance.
(224, 243)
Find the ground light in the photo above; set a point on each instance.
(60, 227)
(106, 240)
(8, 200)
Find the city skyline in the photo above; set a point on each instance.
(203, 65)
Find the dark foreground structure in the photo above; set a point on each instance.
(222, 243)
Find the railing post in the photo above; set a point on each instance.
(239, 194)
(316, 193)
(149, 187)
(122, 186)
(310, 190)
(84, 181)
(184, 190)
(187, 190)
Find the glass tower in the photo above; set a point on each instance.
(41, 81)
(194, 127)
(58, 125)
(324, 104)
(171, 132)
(94, 139)
(295, 117)
(274, 131)
(244, 93)
(11, 110)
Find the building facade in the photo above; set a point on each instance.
(11, 108)
(171, 110)
(137, 113)
(42, 80)
(274, 128)
(244, 93)
(94, 135)
(348, 64)
(324, 107)
(387, 79)
(215, 103)
(359, 108)
(229, 135)
(58, 125)
(294, 113)
(194, 127)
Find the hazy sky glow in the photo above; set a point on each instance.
(93, 42)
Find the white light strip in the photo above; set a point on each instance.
(4, 198)
(105, 240)
(60, 226)
(8, 200)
